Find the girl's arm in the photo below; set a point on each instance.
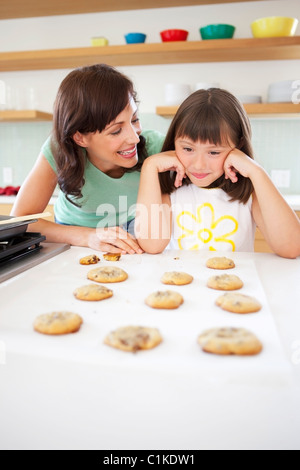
(34, 197)
(153, 215)
(276, 220)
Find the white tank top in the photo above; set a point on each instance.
(205, 219)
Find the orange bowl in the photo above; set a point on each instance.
(174, 35)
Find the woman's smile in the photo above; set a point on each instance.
(130, 153)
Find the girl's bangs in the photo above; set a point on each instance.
(205, 126)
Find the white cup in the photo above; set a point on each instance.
(176, 93)
(19, 99)
(31, 98)
(10, 98)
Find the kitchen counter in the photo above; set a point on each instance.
(75, 392)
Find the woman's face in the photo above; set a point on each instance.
(115, 147)
(203, 161)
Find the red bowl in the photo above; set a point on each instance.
(174, 35)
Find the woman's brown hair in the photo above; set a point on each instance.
(216, 116)
(88, 99)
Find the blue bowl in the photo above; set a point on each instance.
(135, 38)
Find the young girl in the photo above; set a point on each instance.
(205, 191)
(94, 155)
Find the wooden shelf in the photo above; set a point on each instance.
(217, 50)
(272, 108)
(32, 8)
(251, 108)
(24, 115)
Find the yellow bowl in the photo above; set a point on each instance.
(274, 26)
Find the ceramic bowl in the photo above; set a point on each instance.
(246, 99)
(217, 31)
(174, 35)
(176, 93)
(281, 92)
(274, 26)
(135, 38)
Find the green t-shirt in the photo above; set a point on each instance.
(106, 201)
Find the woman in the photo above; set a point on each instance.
(94, 155)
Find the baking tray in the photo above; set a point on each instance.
(11, 230)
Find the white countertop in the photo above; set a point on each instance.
(292, 199)
(75, 392)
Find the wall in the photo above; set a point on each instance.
(276, 142)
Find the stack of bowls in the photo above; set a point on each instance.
(176, 93)
(281, 92)
(247, 99)
(274, 26)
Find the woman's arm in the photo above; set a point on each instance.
(153, 215)
(34, 197)
(276, 220)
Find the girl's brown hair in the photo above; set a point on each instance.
(88, 99)
(216, 116)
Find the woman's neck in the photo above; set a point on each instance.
(111, 171)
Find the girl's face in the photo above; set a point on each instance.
(203, 161)
(115, 147)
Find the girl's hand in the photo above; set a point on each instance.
(113, 240)
(237, 162)
(167, 161)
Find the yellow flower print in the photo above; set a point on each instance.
(204, 229)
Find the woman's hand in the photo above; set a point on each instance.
(237, 162)
(113, 240)
(167, 161)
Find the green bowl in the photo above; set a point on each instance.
(217, 31)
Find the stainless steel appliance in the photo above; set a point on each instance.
(21, 250)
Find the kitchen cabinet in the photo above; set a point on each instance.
(21, 9)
